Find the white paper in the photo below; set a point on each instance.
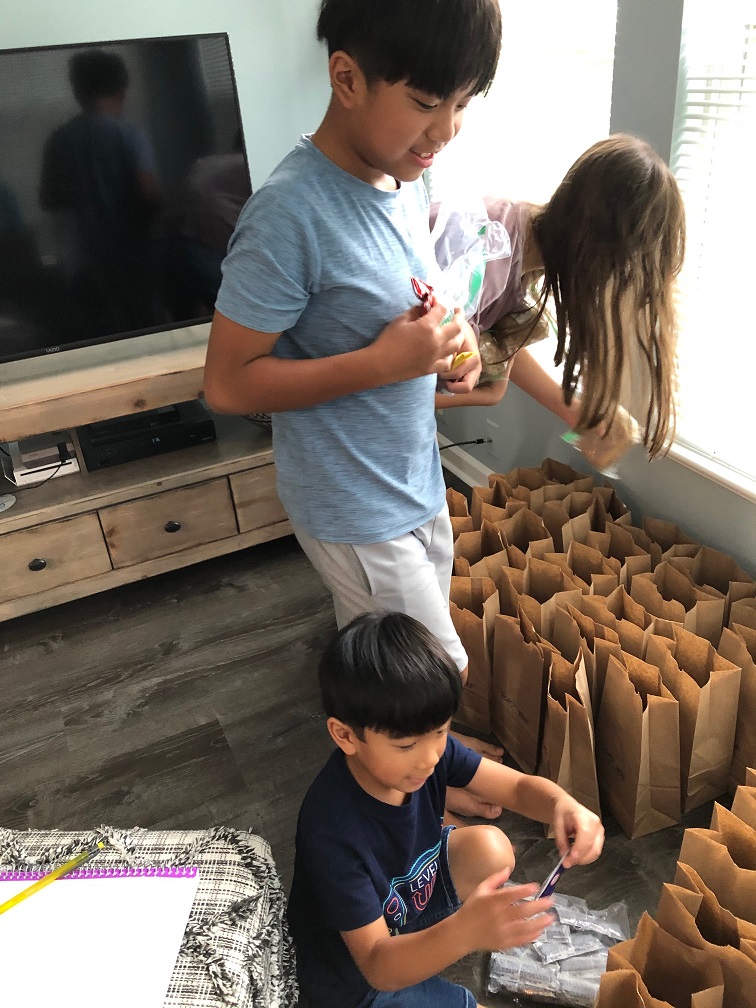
(93, 942)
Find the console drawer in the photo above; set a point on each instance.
(256, 500)
(169, 522)
(48, 556)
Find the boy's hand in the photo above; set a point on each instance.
(495, 918)
(465, 377)
(416, 343)
(571, 819)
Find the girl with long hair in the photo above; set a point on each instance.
(597, 264)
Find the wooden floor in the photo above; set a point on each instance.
(190, 700)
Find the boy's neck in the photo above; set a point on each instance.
(389, 796)
(332, 139)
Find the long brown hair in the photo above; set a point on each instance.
(612, 239)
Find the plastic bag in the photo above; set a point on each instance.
(564, 966)
(464, 240)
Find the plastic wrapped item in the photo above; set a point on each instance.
(604, 451)
(464, 239)
(564, 966)
(574, 945)
(611, 923)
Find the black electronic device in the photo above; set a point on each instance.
(123, 172)
(139, 435)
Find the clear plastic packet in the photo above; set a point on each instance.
(520, 971)
(584, 934)
(554, 934)
(579, 989)
(593, 962)
(464, 239)
(612, 922)
(575, 945)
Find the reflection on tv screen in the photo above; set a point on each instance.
(122, 174)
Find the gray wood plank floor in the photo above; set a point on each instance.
(190, 700)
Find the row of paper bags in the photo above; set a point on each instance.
(700, 950)
(574, 674)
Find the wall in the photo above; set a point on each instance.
(280, 68)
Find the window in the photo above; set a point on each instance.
(550, 101)
(714, 159)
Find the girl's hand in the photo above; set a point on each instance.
(464, 377)
(571, 819)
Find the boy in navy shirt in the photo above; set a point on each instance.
(384, 897)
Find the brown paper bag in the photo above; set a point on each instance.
(744, 805)
(568, 754)
(544, 579)
(457, 504)
(638, 747)
(548, 609)
(585, 562)
(624, 988)
(602, 651)
(667, 534)
(743, 613)
(707, 854)
(722, 925)
(711, 568)
(558, 492)
(521, 529)
(678, 915)
(707, 688)
(612, 504)
(703, 608)
(738, 836)
(739, 647)
(519, 681)
(559, 472)
(671, 971)
(474, 603)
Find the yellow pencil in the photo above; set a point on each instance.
(51, 876)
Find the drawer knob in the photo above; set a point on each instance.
(38, 564)
(172, 526)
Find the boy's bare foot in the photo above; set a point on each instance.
(477, 745)
(461, 803)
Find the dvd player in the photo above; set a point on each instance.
(139, 435)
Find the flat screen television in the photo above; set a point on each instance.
(123, 170)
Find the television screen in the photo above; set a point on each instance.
(122, 173)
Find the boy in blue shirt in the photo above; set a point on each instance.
(384, 897)
(316, 321)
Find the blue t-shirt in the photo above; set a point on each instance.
(359, 859)
(326, 260)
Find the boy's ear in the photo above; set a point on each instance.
(342, 735)
(347, 80)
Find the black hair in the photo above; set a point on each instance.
(95, 73)
(436, 46)
(387, 672)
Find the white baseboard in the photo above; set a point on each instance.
(462, 464)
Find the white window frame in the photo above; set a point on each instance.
(644, 92)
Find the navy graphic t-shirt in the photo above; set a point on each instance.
(358, 859)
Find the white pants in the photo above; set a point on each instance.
(410, 574)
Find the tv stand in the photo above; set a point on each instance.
(87, 532)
